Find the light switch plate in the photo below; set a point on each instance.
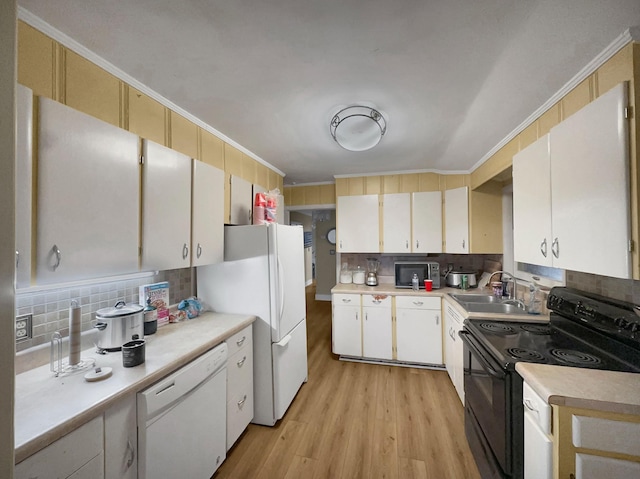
(24, 328)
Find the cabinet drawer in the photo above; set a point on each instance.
(376, 300)
(239, 372)
(239, 340)
(239, 415)
(346, 299)
(606, 435)
(537, 407)
(418, 302)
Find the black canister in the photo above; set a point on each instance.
(133, 353)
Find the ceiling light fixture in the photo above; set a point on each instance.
(357, 127)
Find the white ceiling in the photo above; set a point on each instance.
(453, 77)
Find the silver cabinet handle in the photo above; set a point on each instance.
(198, 251)
(185, 251)
(17, 258)
(242, 401)
(437, 319)
(366, 316)
(58, 254)
(417, 244)
(240, 341)
(346, 300)
(543, 247)
(406, 244)
(555, 248)
(376, 301)
(463, 243)
(340, 244)
(241, 362)
(132, 455)
(357, 316)
(418, 303)
(529, 405)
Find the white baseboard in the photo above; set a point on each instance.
(323, 297)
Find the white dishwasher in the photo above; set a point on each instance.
(182, 420)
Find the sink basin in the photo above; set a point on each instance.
(475, 298)
(487, 303)
(498, 308)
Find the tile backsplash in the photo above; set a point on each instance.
(50, 307)
(621, 289)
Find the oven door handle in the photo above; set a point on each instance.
(475, 350)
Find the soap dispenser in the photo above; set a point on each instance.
(535, 303)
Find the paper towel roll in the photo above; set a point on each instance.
(75, 328)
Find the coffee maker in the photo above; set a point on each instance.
(372, 271)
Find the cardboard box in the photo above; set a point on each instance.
(158, 296)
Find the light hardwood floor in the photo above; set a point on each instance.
(353, 420)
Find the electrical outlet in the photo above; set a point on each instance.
(24, 329)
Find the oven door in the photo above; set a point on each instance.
(488, 396)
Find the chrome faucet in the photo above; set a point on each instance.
(512, 291)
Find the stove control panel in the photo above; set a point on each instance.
(609, 316)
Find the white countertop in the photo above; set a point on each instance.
(609, 391)
(48, 408)
(390, 289)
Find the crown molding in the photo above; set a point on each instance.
(317, 183)
(630, 35)
(405, 172)
(65, 40)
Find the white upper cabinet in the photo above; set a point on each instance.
(571, 192)
(426, 214)
(207, 210)
(358, 224)
(166, 225)
(456, 208)
(590, 188)
(24, 179)
(88, 196)
(396, 214)
(532, 235)
(241, 201)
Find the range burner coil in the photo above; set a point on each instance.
(525, 354)
(569, 356)
(497, 328)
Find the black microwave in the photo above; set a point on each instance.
(404, 271)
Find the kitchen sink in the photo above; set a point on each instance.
(488, 303)
(475, 298)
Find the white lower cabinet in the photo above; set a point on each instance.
(377, 336)
(121, 440)
(538, 444)
(239, 384)
(454, 351)
(346, 326)
(419, 329)
(79, 454)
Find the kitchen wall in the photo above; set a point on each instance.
(50, 307)
(301, 218)
(460, 262)
(621, 289)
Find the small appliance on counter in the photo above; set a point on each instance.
(404, 271)
(372, 271)
(118, 325)
(455, 279)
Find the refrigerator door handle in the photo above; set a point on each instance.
(284, 341)
(281, 287)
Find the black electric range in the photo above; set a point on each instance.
(584, 331)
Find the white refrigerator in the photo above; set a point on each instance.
(263, 275)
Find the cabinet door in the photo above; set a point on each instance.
(396, 214)
(454, 350)
(590, 188)
(346, 330)
(532, 204)
(166, 217)
(358, 224)
(241, 201)
(449, 347)
(426, 214)
(419, 336)
(88, 196)
(121, 440)
(67, 455)
(376, 333)
(538, 450)
(456, 208)
(207, 211)
(24, 179)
